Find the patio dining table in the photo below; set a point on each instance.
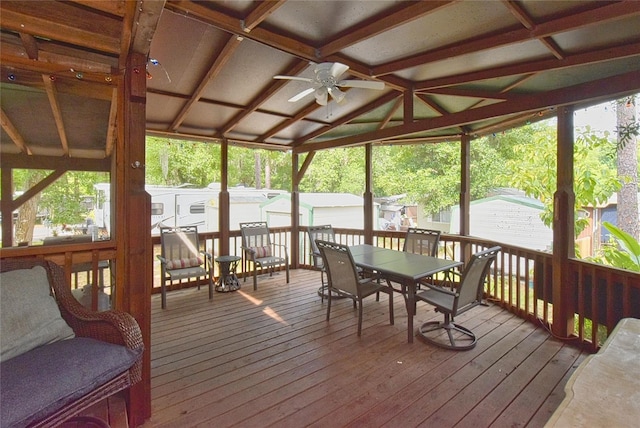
(403, 266)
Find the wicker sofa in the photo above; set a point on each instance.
(58, 358)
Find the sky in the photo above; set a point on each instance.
(601, 117)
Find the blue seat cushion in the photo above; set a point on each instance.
(45, 379)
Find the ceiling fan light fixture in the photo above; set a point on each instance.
(321, 96)
(337, 94)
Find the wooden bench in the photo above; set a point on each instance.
(604, 391)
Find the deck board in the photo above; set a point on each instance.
(269, 358)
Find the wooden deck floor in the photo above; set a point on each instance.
(269, 358)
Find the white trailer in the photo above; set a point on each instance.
(170, 206)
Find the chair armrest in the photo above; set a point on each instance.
(162, 260)
(110, 326)
(207, 255)
(442, 290)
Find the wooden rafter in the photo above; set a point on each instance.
(610, 11)
(584, 58)
(259, 13)
(220, 60)
(263, 96)
(384, 99)
(57, 113)
(234, 25)
(71, 26)
(300, 115)
(621, 84)
(394, 108)
(30, 45)
(13, 133)
(380, 23)
(526, 20)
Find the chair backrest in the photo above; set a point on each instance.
(180, 243)
(471, 287)
(323, 233)
(255, 234)
(422, 241)
(341, 269)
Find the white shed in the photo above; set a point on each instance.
(514, 220)
(341, 210)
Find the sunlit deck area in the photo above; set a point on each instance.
(269, 358)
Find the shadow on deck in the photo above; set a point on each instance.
(256, 359)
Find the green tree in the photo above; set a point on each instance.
(533, 169)
(174, 162)
(335, 171)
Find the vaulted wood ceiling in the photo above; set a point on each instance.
(449, 68)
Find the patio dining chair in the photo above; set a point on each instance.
(467, 294)
(181, 258)
(418, 241)
(344, 279)
(260, 251)
(323, 233)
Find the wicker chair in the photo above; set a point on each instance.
(345, 280)
(260, 251)
(111, 326)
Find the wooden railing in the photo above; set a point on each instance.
(520, 281)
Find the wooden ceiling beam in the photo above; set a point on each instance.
(30, 45)
(113, 7)
(606, 12)
(234, 26)
(526, 20)
(380, 23)
(432, 104)
(470, 93)
(259, 13)
(302, 114)
(384, 99)
(394, 108)
(600, 89)
(584, 58)
(263, 95)
(64, 22)
(23, 161)
(66, 69)
(57, 114)
(13, 133)
(221, 59)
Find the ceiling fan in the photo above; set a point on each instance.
(327, 82)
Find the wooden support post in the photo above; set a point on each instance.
(134, 274)
(294, 259)
(6, 207)
(563, 228)
(465, 192)
(224, 200)
(368, 194)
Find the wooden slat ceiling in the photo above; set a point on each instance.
(449, 68)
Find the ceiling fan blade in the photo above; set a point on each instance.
(367, 84)
(321, 96)
(301, 95)
(337, 94)
(302, 79)
(338, 69)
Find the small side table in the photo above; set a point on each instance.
(228, 280)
